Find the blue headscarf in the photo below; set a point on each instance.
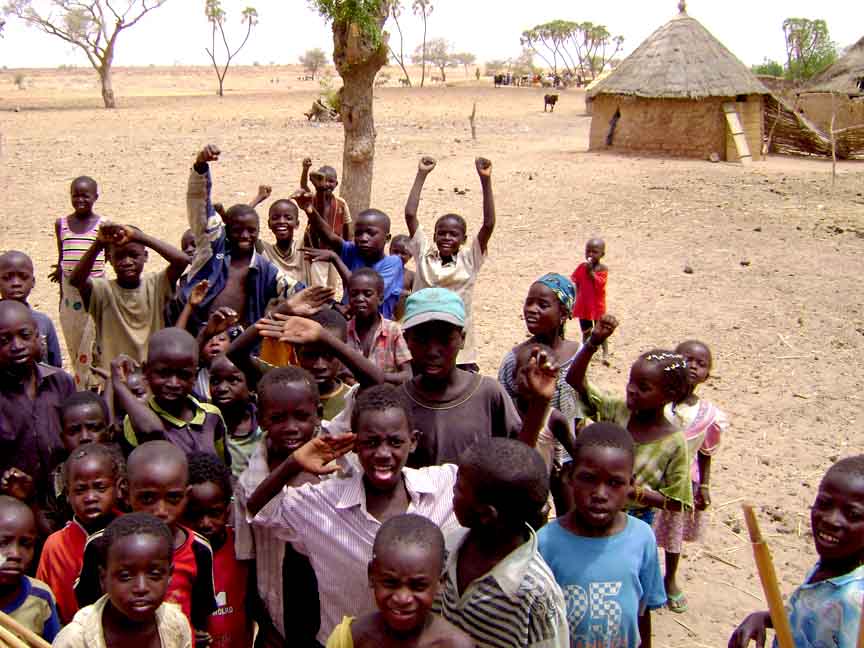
(563, 289)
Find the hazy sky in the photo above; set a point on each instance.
(178, 31)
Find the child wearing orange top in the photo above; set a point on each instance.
(91, 473)
(590, 281)
(207, 513)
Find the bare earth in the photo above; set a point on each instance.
(776, 256)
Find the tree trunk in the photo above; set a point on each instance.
(221, 91)
(107, 87)
(358, 60)
(423, 63)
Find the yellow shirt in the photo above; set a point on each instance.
(341, 636)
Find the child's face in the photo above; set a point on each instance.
(401, 250)
(19, 341)
(171, 374)
(324, 180)
(434, 348)
(371, 234)
(136, 575)
(160, 490)
(128, 262)
(364, 296)
(837, 518)
(16, 278)
(137, 384)
(594, 251)
(84, 423)
(215, 346)
(188, 245)
(17, 543)
(449, 236)
(698, 360)
(242, 231)
(645, 390)
(384, 441)
(283, 219)
(600, 479)
(319, 360)
(83, 196)
(405, 579)
(543, 311)
(207, 511)
(92, 488)
(289, 416)
(227, 383)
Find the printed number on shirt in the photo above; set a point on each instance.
(599, 603)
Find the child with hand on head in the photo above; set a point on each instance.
(207, 513)
(445, 264)
(589, 277)
(657, 378)
(27, 600)
(826, 609)
(405, 576)
(75, 234)
(17, 279)
(158, 484)
(230, 393)
(334, 210)
(368, 332)
(497, 588)
(129, 309)
(92, 475)
(172, 412)
(703, 424)
(615, 582)
(136, 574)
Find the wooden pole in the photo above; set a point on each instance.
(11, 640)
(471, 120)
(11, 625)
(762, 555)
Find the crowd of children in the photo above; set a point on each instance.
(292, 443)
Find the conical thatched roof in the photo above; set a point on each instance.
(681, 60)
(845, 76)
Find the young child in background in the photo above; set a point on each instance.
(27, 600)
(129, 309)
(826, 609)
(137, 572)
(17, 279)
(405, 577)
(368, 332)
(617, 568)
(703, 424)
(92, 475)
(230, 393)
(158, 482)
(207, 513)
(657, 378)
(496, 586)
(334, 210)
(589, 277)
(399, 245)
(445, 264)
(75, 234)
(283, 219)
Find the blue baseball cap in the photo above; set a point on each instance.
(434, 305)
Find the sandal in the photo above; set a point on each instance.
(677, 603)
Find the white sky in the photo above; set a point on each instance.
(178, 32)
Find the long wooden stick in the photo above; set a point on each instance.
(762, 555)
(29, 636)
(11, 639)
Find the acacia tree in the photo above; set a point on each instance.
(395, 13)
(313, 60)
(423, 8)
(593, 43)
(359, 51)
(91, 25)
(216, 17)
(464, 59)
(809, 48)
(436, 53)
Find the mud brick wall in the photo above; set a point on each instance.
(817, 108)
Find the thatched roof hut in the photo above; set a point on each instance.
(668, 96)
(845, 76)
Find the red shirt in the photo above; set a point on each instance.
(62, 557)
(590, 293)
(230, 625)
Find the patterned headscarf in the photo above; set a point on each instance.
(563, 289)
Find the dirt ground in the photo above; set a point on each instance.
(776, 254)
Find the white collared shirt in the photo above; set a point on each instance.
(329, 523)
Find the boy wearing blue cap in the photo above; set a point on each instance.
(451, 408)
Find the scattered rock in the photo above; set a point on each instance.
(757, 229)
(688, 269)
(714, 157)
(745, 262)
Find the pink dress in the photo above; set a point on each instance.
(590, 293)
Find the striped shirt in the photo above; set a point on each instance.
(73, 246)
(516, 605)
(329, 523)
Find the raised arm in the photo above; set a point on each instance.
(304, 174)
(484, 170)
(541, 378)
(601, 332)
(176, 258)
(80, 277)
(330, 256)
(263, 194)
(196, 296)
(199, 209)
(144, 420)
(305, 200)
(424, 168)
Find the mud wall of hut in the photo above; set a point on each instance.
(818, 106)
(672, 127)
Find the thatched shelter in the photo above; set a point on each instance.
(838, 90)
(668, 97)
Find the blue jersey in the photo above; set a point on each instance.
(389, 267)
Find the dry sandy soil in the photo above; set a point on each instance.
(776, 256)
